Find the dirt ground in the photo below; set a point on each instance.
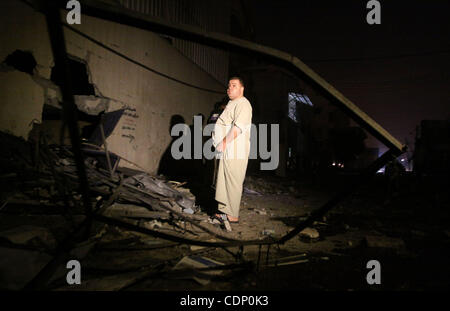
(406, 231)
(411, 230)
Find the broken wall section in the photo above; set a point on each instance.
(149, 99)
(23, 30)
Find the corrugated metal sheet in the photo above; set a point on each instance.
(212, 15)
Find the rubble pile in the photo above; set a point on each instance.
(44, 204)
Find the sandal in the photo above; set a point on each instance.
(222, 217)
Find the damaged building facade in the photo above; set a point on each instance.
(150, 77)
(152, 80)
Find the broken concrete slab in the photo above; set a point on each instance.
(268, 232)
(133, 211)
(31, 236)
(261, 211)
(91, 105)
(251, 192)
(310, 233)
(161, 187)
(152, 224)
(188, 211)
(227, 225)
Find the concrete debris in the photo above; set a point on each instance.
(92, 105)
(224, 222)
(251, 192)
(310, 233)
(64, 162)
(261, 211)
(188, 211)
(190, 265)
(268, 232)
(161, 187)
(134, 211)
(227, 224)
(319, 223)
(213, 221)
(141, 195)
(378, 241)
(152, 224)
(196, 247)
(31, 236)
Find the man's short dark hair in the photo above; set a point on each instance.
(237, 78)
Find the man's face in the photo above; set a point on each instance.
(235, 89)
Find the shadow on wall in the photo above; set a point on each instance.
(197, 173)
(168, 166)
(190, 170)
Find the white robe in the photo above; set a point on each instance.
(233, 162)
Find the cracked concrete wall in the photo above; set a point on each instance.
(22, 98)
(20, 103)
(142, 135)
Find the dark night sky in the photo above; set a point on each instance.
(369, 63)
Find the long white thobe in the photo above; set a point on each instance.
(233, 161)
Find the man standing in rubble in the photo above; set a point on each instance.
(232, 141)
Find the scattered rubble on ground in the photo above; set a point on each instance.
(46, 185)
(149, 224)
(310, 233)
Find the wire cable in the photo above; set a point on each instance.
(138, 63)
